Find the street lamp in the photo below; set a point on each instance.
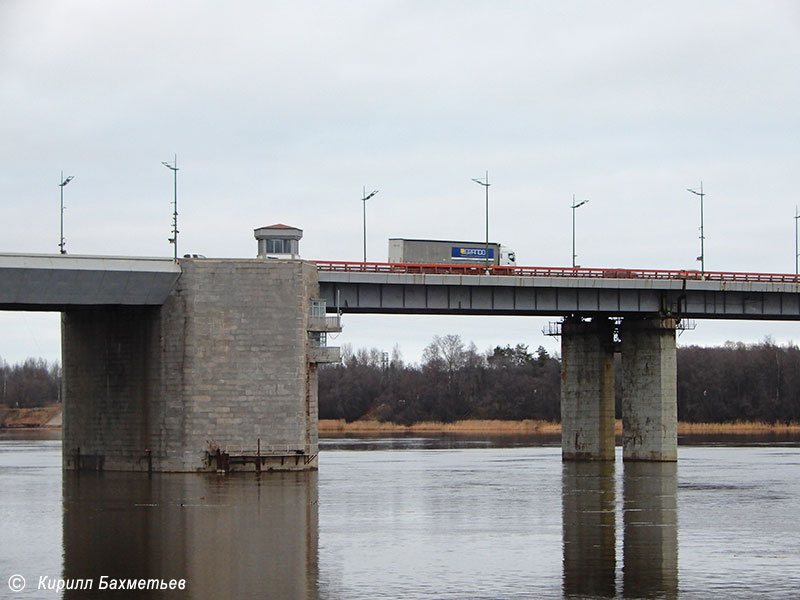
(702, 257)
(174, 239)
(62, 185)
(574, 207)
(796, 250)
(364, 198)
(485, 183)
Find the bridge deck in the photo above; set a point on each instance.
(55, 281)
(456, 289)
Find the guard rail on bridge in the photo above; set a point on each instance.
(436, 269)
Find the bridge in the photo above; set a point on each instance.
(211, 364)
(604, 311)
(392, 288)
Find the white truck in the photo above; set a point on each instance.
(449, 252)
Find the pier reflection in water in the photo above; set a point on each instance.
(589, 528)
(650, 531)
(228, 537)
(650, 543)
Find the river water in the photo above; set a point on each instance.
(413, 518)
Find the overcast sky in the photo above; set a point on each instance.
(279, 112)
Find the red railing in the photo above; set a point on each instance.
(433, 269)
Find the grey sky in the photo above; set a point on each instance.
(281, 112)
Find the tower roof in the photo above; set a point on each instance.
(278, 231)
(279, 226)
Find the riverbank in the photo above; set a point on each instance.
(496, 427)
(29, 418)
(50, 417)
(528, 426)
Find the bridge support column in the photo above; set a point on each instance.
(111, 364)
(649, 390)
(222, 377)
(587, 389)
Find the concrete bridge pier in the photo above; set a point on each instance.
(587, 389)
(221, 377)
(649, 389)
(112, 402)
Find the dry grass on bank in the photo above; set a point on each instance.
(530, 426)
(49, 416)
(494, 427)
(22, 418)
(738, 427)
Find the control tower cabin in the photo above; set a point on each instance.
(278, 241)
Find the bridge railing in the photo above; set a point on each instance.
(438, 269)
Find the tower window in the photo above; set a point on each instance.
(278, 246)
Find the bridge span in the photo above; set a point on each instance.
(604, 311)
(392, 288)
(54, 282)
(211, 364)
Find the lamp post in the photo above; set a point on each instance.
(796, 249)
(62, 185)
(574, 207)
(702, 257)
(364, 198)
(485, 183)
(174, 239)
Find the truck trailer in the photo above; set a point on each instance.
(448, 252)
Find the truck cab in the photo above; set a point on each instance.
(508, 258)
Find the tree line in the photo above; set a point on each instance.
(29, 384)
(454, 380)
(733, 382)
(737, 382)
